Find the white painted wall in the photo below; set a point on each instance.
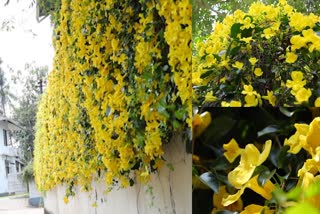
(171, 191)
(15, 184)
(3, 177)
(33, 191)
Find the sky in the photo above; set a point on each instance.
(25, 41)
(28, 41)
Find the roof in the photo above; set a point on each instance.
(9, 124)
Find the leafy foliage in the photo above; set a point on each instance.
(258, 58)
(287, 172)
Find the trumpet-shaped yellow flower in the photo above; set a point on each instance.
(250, 159)
(313, 136)
(200, 123)
(317, 102)
(265, 191)
(232, 103)
(298, 140)
(258, 72)
(232, 150)
(217, 202)
(253, 61)
(303, 95)
(256, 209)
(297, 81)
(238, 65)
(270, 97)
(210, 98)
(291, 57)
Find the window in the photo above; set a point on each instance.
(5, 139)
(17, 166)
(7, 167)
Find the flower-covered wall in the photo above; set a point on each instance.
(120, 88)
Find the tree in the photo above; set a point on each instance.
(25, 113)
(6, 97)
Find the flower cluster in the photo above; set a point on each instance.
(284, 171)
(266, 56)
(120, 87)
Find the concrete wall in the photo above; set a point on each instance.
(3, 177)
(15, 184)
(169, 192)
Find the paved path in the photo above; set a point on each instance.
(17, 205)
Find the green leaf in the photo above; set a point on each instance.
(265, 176)
(279, 195)
(303, 207)
(218, 128)
(180, 114)
(235, 30)
(206, 74)
(283, 156)
(225, 212)
(294, 194)
(286, 112)
(235, 50)
(176, 124)
(268, 130)
(210, 180)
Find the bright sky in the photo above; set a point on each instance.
(29, 40)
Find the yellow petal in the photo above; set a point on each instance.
(241, 175)
(264, 155)
(252, 209)
(264, 191)
(232, 150)
(232, 198)
(313, 136)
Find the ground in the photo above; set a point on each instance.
(17, 204)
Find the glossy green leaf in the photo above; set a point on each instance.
(235, 29)
(268, 130)
(210, 180)
(264, 176)
(286, 112)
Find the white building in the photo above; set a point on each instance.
(10, 164)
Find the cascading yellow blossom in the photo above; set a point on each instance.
(121, 84)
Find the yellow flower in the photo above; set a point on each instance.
(210, 98)
(303, 95)
(217, 202)
(256, 209)
(65, 199)
(291, 57)
(232, 103)
(232, 150)
(253, 61)
(200, 123)
(298, 42)
(238, 65)
(317, 102)
(297, 81)
(250, 159)
(258, 72)
(270, 97)
(264, 191)
(313, 136)
(248, 89)
(298, 140)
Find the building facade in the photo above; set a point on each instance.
(10, 163)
